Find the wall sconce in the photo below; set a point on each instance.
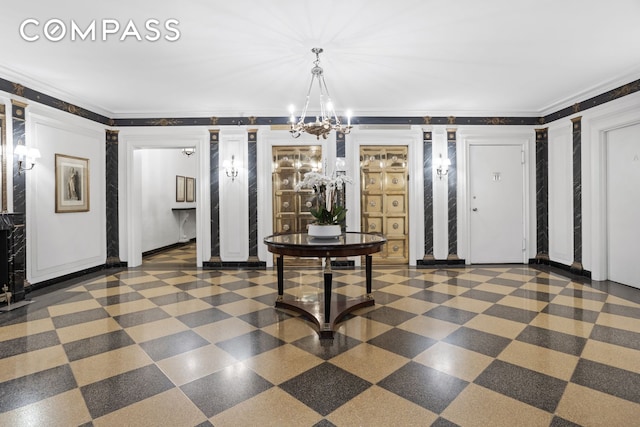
(26, 155)
(188, 151)
(442, 166)
(230, 168)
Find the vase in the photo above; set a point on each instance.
(324, 231)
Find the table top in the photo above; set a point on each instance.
(347, 244)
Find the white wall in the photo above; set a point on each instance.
(161, 225)
(63, 243)
(561, 192)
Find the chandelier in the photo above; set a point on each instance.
(328, 119)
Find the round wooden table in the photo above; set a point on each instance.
(303, 245)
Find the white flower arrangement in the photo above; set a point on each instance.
(326, 189)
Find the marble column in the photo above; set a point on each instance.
(340, 144)
(111, 178)
(214, 148)
(252, 175)
(542, 195)
(577, 195)
(427, 168)
(452, 196)
(19, 205)
(3, 154)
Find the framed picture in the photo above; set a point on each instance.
(179, 188)
(72, 184)
(191, 189)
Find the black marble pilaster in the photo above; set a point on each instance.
(340, 145)
(577, 194)
(19, 205)
(11, 267)
(542, 194)
(252, 172)
(111, 205)
(214, 146)
(452, 193)
(427, 167)
(3, 154)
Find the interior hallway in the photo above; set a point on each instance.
(475, 346)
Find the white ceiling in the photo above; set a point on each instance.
(381, 57)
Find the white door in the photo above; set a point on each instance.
(496, 188)
(623, 204)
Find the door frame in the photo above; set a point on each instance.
(624, 113)
(269, 138)
(410, 136)
(495, 137)
(129, 186)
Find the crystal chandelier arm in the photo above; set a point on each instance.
(323, 110)
(306, 102)
(332, 110)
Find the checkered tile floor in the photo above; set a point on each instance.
(480, 346)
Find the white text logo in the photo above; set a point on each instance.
(55, 30)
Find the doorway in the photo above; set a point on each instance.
(384, 190)
(134, 142)
(496, 202)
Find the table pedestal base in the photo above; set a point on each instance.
(312, 310)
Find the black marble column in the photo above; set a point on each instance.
(452, 194)
(214, 146)
(19, 205)
(542, 195)
(11, 268)
(427, 170)
(340, 144)
(252, 176)
(577, 195)
(111, 180)
(3, 154)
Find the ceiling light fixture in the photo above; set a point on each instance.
(327, 120)
(188, 151)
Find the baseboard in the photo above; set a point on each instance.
(573, 269)
(165, 248)
(343, 265)
(234, 265)
(75, 275)
(432, 262)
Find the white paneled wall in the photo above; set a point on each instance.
(63, 243)
(561, 193)
(234, 199)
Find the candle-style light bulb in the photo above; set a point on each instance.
(292, 118)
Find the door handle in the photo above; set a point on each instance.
(475, 209)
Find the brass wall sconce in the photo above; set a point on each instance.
(230, 169)
(442, 166)
(26, 155)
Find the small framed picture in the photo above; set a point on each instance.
(72, 184)
(179, 188)
(191, 189)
